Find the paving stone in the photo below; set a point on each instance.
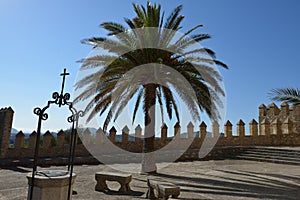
(222, 179)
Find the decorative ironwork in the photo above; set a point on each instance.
(75, 117)
(39, 112)
(61, 99)
(74, 120)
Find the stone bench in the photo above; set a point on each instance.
(164, 189)
(122, 179)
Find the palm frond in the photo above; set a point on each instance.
(93, 41)
(137, 104)
(172, 17)
(289, 95)
(130, 23)
(170, 102)
(186, 42)
(113, 28)
(96, 61)
(141, 13)
(122, 99)
(190, 31)
(88, 79)
(159, 98)
(107, 120)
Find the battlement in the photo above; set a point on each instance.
(263, 134)
(276, 127)
(283, 114)
(9, 109)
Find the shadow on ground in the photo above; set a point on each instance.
(16, 169)
(240, 184)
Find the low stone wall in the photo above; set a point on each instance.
(216, 153)
(267, 135)
(276, 127)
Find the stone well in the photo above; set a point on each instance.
(50, 185)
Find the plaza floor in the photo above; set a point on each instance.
(221, 179)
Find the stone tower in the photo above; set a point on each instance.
(285, 113)
(6, 119)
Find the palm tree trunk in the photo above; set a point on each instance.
(148, 162)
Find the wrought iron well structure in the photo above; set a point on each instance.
(61, 99)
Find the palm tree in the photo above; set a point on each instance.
(149, 44)
(289, 95)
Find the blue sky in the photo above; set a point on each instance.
(259, 40)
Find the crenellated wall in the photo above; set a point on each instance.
(276, 127)
(270, 134)
(284, 115)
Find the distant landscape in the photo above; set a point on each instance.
(14, 132)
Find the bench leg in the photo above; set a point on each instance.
(167, 195)
(101, 186)
(150, 193)
(123, 188)
(128, 187)
(161, 196)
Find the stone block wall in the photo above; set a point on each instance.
(6, 119)
(276, 127)
(288, 115)
(269, 135)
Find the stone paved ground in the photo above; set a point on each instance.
(224, 179)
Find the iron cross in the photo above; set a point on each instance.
(63, 82)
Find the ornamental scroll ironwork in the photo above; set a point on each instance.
(61, 99)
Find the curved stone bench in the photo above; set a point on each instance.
(122, 179)
(164, 189)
